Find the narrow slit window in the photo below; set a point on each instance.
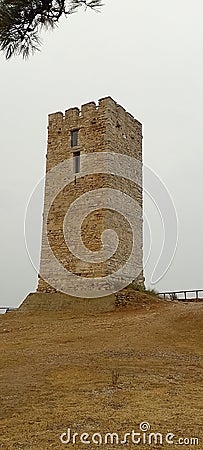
(74, 138)
(76, 162)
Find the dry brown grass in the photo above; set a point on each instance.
(56, 371)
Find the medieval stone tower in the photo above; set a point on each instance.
(74, 139)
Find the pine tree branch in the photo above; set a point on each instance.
(22, 20)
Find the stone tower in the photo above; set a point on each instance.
(110, 133)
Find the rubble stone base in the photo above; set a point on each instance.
(63, 302)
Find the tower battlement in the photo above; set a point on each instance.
(105, 105)
(106, 127)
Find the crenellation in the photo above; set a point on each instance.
(55, 118)
(106, 102)
(88, 109)
(121, 113)
(72, 115)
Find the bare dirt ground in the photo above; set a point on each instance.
(56, 372)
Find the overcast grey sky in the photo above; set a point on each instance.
(148, 57)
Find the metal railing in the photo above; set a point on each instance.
(174, 295)
(7, 308)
